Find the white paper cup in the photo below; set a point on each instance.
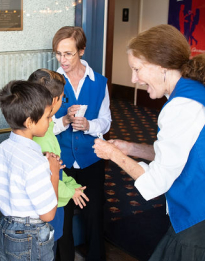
(81, 112)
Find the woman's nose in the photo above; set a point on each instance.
(134, 78)
(62, 58)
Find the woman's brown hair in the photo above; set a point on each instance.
(74, 32)
(195, 68)
(166, 46)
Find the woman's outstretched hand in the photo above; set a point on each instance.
(121, 145)
(104, 149)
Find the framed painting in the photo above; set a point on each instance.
(11, 15)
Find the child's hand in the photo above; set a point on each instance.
(79, 197)
(54, 163)
(51, 154)
(62, 166)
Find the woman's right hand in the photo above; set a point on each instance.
(122, 145)
(104, 149)
(69, 117)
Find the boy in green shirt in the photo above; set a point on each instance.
(67, 188)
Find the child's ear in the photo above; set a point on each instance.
(28, 123)
(55, 100)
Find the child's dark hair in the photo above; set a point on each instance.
(20, 100)
(53, 81)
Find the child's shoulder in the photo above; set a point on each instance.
(21, 152)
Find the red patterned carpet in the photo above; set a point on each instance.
(132, 223)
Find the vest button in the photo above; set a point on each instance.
(76, 137)
(76, 148)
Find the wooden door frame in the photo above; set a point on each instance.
(109, 43)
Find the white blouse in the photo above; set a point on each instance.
(180, 123)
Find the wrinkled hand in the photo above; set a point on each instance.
(104, 149)
(121, 145)
(79, 197)
(80, 123)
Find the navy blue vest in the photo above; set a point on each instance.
(77, 146)
(186, 197)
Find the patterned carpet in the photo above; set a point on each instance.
(132, 223)
(133, 123)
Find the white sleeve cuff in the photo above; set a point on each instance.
(92, 126)
(143, 165)
(58, 126)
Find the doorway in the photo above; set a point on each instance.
(122, 25)
(116, 67)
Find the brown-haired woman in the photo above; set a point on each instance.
(83, 87)
(160, 59)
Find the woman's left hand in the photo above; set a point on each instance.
(80, 123)
(104, 149)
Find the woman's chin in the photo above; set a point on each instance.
(152, 96)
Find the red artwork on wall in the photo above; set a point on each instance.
(189, 17)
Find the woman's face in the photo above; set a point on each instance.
(148, 74)
(68, 55)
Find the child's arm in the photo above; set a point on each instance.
(54, 167)
(67, 190)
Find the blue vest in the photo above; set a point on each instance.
(186, 197)
(77, 146)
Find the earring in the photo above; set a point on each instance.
(165, 75)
